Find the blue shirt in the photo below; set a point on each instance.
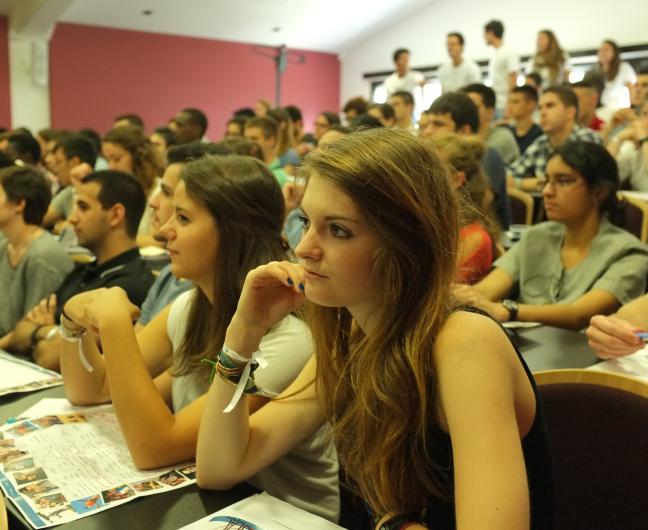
(165, 289)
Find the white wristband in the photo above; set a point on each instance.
(257, 357)
(66, 336)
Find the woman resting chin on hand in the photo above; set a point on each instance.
(434, 414)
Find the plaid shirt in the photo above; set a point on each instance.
(534, 160)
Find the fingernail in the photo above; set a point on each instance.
(290, 282)
(301, 286)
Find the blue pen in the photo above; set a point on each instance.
(643, 335)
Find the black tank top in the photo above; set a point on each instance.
(440, 513)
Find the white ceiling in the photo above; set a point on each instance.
(322, 25)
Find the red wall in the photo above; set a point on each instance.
(97, 73)
(5, 97)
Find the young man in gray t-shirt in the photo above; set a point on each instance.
(32, 262)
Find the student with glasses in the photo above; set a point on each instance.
(578, 263)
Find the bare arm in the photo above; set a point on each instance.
(488, 406)
(22, 333)
(636, 312)
(497, 285)
(86, 388)
(247, 444)
(573, 315)
(154, 434)
(52, 216)
(83, 387)
(5, 341)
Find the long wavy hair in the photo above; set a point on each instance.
(612, 68)
(552, 58)
(379, 391)
(146, 163)
(245, 201)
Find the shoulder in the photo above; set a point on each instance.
(390, 79)
(612, 236)
(469, 343)
(587, 134)
(290, 335)
(502, 132)
(626, 68)
(177, 316)
(182, 302)
(46, 245)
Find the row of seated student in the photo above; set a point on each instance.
(382, 226)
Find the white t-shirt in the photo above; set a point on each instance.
(455, 77)
(633, 166)
(545, 72)
(408, 83)
(308, 475)
(502, 63)
(615, 95)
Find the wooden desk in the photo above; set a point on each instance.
(165, 511)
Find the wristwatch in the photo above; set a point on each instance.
(512, 307)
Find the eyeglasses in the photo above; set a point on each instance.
(557, 183)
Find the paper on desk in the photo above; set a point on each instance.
(73, 462)
(635, 365)
(516, 324)
(51, 406)
(18, 375)
(262, 512)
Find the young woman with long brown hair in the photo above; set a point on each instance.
(434, 414)
(618, 75)
(127, 149)
(228, 219)
(550, 61)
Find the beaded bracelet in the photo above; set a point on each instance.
(239, 375)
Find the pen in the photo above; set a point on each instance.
(643, 335)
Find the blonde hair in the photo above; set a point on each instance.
(379, 391)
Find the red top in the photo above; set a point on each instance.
(596, 124)
(479, 262)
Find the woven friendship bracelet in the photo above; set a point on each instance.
(239, 375)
